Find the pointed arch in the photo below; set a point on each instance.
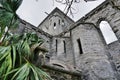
(107, 32)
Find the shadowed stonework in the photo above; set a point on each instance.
(78, 49)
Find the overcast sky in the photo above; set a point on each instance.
(33, 11)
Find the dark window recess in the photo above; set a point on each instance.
(56, 45)
(63, 23)
(80, 47)
(59, 21)
(64, 46)
(54, 24)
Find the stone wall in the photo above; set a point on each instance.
(99, 61)
(83, 48)
(25, 27)
(93, 61)
(55, 75)
(56, 22)
(64, 51)
(63, 56)
(112, 15)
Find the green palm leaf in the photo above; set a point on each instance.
(11, 5)
(13, 54)
(8, 16)
(17, 51)
(5, 60)
(30, 72)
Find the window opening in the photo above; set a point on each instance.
(63, 23)
(56, 45)
(64, 46)
(59, 21)
(107, 32)
(54, 25)
(80, 46)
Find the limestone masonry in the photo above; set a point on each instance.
(81, 46)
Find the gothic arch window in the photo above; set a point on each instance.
(107, 32)
(54, 26)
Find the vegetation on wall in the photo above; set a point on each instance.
(17, 52)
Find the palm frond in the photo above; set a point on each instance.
(30, 72)
(15, 51)
(8, 16)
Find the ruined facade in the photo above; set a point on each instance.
(81, 46)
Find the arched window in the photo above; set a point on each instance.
(107, 32)
(54, 26)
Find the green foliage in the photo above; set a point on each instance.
(17, 51)
(16, 58)
(29, 72)
(8, 16)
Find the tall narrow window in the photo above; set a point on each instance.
(63, 23)
(54, 25)
(59, 21)
(107, 32)
(64, 46)
(56, 45)
(80, 47)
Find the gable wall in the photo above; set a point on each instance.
(99, 60)
(55, 24)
